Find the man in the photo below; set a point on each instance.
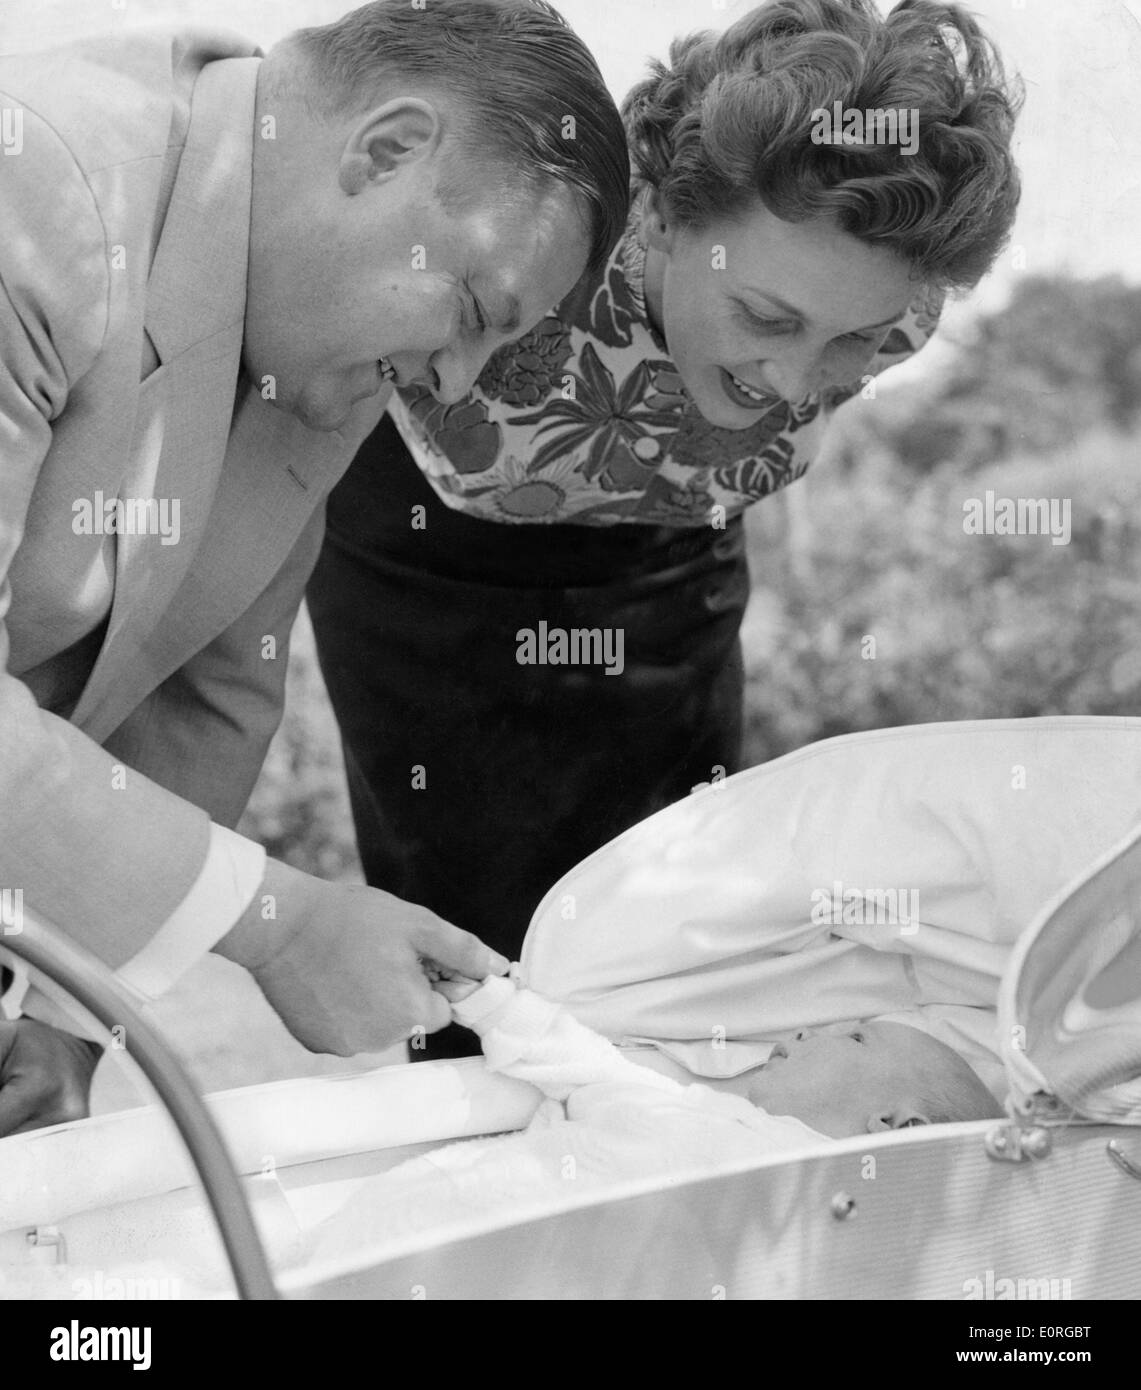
(214, 264)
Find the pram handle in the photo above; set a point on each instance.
(88, 981)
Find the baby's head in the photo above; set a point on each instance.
(868, 1077)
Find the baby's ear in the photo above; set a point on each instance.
(906, 1116)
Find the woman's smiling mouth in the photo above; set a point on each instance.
(744, 395)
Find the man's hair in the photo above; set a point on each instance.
(956, 1094)
(729, 120)
(532, 94)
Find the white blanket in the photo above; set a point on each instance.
(609, 1125)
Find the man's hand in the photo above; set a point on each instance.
(455, 988)
(345, 966)
(45, 1075)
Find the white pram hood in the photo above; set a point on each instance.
(695, 929)
(1070, 1005)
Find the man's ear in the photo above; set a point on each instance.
(389, 138)
(657, 229)
(901, 1117)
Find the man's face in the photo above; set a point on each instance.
(848, 1080)
(390, 281)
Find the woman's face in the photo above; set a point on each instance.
(755, 310)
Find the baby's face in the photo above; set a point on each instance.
(850, 1080)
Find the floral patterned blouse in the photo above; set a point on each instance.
(585, 420)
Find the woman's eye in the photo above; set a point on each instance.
(857, 1037)
(757, 324)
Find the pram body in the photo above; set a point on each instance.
(1037, 1208)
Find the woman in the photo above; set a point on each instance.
(596, 477)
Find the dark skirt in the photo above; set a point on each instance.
(477, 781)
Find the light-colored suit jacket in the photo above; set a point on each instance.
(125, 187)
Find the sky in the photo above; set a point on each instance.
(1079, 140)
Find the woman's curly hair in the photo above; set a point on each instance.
(729, 120)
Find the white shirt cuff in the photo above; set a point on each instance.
(231, 874)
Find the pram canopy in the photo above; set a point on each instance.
(1070, 1003)
(886, 874)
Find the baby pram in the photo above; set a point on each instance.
(1021, 843)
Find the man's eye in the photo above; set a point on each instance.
(857, 1037)
(860, 338)
(478, 314)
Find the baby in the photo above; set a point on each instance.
(610, 1125)
(824, 1083)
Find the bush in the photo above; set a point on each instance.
(300, 807)
(964, 626)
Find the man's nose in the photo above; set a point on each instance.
(456, 372)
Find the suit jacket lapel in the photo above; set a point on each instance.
(177, 453)
(248, 476)
(196, 295)
(275, 476)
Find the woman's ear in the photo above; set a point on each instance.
(389, 138)
(657, 229)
